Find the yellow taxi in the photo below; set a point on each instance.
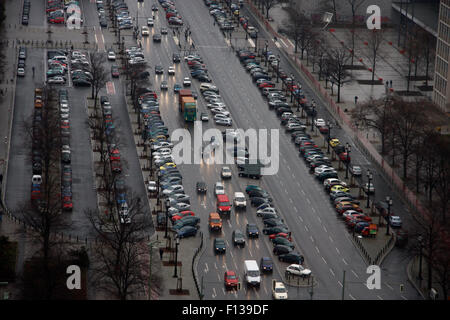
(340, 188)
(168, 165)
(334, 142)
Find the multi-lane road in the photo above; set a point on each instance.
(305, 207)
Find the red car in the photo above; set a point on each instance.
(266, 85)
(116, 166)
(344, 156)
(182, 214)
(56, 20)
(67, 203)
(230, 279)
(323, 129)
(281, 234)
(361, 217)
(114, 154)
(171, 14)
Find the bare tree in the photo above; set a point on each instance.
(298, 27)
(99, 74)
(120, 267)
(338, 58)
(268, 4)
(442, 185)
(408, 123)
(354, 4)
(375, 40)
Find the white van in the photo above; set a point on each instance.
(252, 275)
(36, 179)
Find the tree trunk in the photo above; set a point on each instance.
(405, 165)
(427, 65)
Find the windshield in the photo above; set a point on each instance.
(224, 204)
(253, 273)
(215, 220)
(280, 290)
(240, 199)
(231, 277)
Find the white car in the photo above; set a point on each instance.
(171, 71)
(186, 82)
(266, 210)
(349, 213)
(279, 291)
(224, 122)
(218, 188)
(145, 31)
(329, 181)
(395, 221)
(56, 80)
(369, 189)
(151, 187)
(221, 116)
(111, 55)
(226, 172)
(216, 104)
(356, 170)
(150, 22)
(162, 144)
(178, 188)
(298, 270)
(319, 122)
(220, 110)
(123, 214)
(21, 72)
(239, 200)
(319, 170)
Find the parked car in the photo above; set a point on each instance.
(187, 231)
(298, 270)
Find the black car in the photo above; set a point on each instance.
(281, 249)
(154, 7)
(103, 23)
(203, 78)
(176, 57)
(291, 257)
(258, 193)
(219, 245)
(156, 37)
(266, 264)
(201, 186)
(238, 238)
(257, 201)
(159, 69)
(252, 230)
(274, 222)
(274, 230)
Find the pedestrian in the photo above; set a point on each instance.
(33, 71)
(1, 91)
(387, 83)
(214, 22)
(356, 99)
(390, 83)
(161, 252)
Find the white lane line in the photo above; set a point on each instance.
(313, 210)
(290, 200)
(214, 293)
(332, 272)
(218, 277)
(298, 183)
(324, 228)
(231, 252)
(324, 260)
(250, 253)
(283, 43)
(306, 228)
(295, 209)
(215, 265)
(235, 265)
(331, 239)
(229, 223)
(387, 285)
(404, 298)
(318, 218)
(344, 261)
(337, 250)
(312, 239)
(379, 297)
(301, 219)
(206, 267)
(290, 42)
(307, 199)
(289, 168)
(223, 290)
(317, 249)
(355, 274)
(340, 283)
(257, 245)
(303, 191)
(278, 45)
(351, 296)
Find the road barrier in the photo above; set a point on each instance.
(194, 271)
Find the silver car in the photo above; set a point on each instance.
(356, 170)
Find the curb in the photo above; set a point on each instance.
(195, 259)
(388, 249)
(410, 277)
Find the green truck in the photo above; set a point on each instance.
(250, 170)
(187, 105)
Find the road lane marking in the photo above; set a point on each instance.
(215, 265)
(110, 88)
(319, 219)
(278, 45)
(231, 254)
(317, 249)
(289, 168)
(351, 296)
(295, 209)
(387, 285)
(324, 260)
(339, 283)
(313, 210)
(303, 192)
(307, 199)
(301, 219)
(235, 264)
(298, 183)
(290, 200)
(206, 269)
(403, 297)
(312, 239)
(379, 297)
(284, 43)
(331, 239)
(214, 293)
(250, 253)
(218, 277)
(290, 42)
(344, 261)
(332, 272)
(223, 290)
(257, 245)
(306, 228)
(355, 274)
(337, 250)
(324, 228)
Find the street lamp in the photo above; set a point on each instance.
(278, 66)
(176, 257)
(369, 178)
(389, 203)
(329, 125)
(313, 104)
(347, 149)
(157, 189)
(167, 216)
(420, 256)
(265, 53)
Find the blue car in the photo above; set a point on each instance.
(120, 198)
(266, 264)
(177, 87)
(187, 231)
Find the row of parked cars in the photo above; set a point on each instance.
(26, 12)
(57, 66)
(66, 167)
(122, 15)
(36, 159)
(101, 14)
(172, 15)
(115, 161)
(224, 22)
(21, 62)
